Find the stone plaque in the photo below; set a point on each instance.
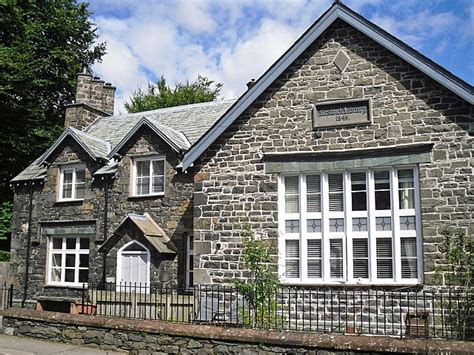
(341, 113)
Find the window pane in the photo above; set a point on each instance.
(405, 179)
(407, 223)
(57, 243)
(384, 247)
(143, 186)
(313, 225)
(158, 167)
(336, 248)
(158, 184)
(292, 226)
(80, 191)
(314, 269)
(56, 260)
(291, 194)
(336, 225)
(384, 269)
(336, 200)
(70, 243)
(360, 252)
(67, 191)
(80, 175)
(384, 258)
(314, 248)
(56, 275)
(382, 190)
(83, 275)
(359, 192)
(67, 176)
(313, 188)
(83, 260)
(69, 276)
(360, 248)
(383, 224)
(84, 243)
(143, 168)
(406, 198)
(361, 268)
(314, 258)
(408, 247)
(70, 260)
(314, 203)
(292, 263)
(359, 224)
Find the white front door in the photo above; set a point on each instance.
(133, 268)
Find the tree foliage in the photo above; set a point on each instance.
(43, 45)
(161, 95)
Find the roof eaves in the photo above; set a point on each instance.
(334, 12)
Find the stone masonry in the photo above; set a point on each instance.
(232, 188)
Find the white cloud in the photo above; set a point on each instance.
(233, 41)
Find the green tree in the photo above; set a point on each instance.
(260, 289)
(43, 45)
(161, 95)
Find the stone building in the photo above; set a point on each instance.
(348, 156)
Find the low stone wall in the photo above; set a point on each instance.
(147, 336)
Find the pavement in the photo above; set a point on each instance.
(14, 345)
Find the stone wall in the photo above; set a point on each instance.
(173, 212)
(147, 337)
(232, 188)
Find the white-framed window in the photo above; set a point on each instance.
(72, 182)
(68, 262)
(148, 176)
(350, 227)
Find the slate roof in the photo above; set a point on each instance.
(150, 230)
(179, 126)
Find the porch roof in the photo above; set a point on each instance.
(149, 229)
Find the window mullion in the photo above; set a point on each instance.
(371, 227)
(303, 229)
(348, 227)
(325, 227)
(281, 226)
(150, 182)
(395, 226)
(63, 260)
(76, 265)
(73, 186)
(419, 242)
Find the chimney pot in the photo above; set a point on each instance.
(250, 83)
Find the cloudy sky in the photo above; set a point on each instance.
(233, 41)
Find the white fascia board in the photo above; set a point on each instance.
(260, 86)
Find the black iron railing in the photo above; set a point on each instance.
(399, 313)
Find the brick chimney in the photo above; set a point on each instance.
(94, 98)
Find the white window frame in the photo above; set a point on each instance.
(63, 251)
(74, 168)
(134, 175)
(395, 212)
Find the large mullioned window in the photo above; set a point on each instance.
(351, 227)
(68, 261)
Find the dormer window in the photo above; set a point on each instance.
(72, 182)
(148, 176)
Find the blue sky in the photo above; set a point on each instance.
(233, 41)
